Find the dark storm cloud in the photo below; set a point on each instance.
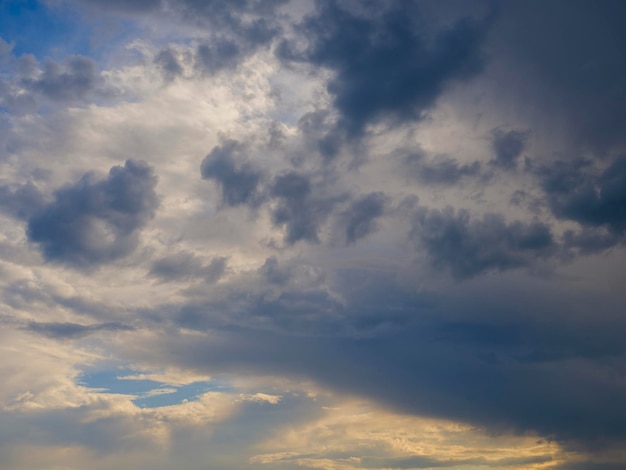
(184, 266)
(384, 66)
(96, 221)
(591, 240)
(590, 465)
(508, 146)
(360, 217)
(239, 180)
(575, 191)
(568, 58)
(299, 209)
(468, 247)
(73, 330)
(514, 371)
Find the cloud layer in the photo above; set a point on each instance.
(338, 234)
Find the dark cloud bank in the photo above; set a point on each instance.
(499, 366)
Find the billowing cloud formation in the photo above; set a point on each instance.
(468, 247)
(574, 192)
(360, 218)
(386, 234)
(299, 210)
(96, 221)
(74, 81)
(384, 66)
(239, 181)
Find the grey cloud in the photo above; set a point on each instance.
(591, 240)
(384, 66)
(96, 221)
(293, 271)
(125, 6)
(299, 210)
(590, 465)
(466, 247)
(508, 146)
(360, 217)
(319, 129)
(578, 66)
(225, 52)
(429, 462)
(71, 81)
(273, 273)
(73, 330)
(575, 192)
(483, 374)
(183, 266)
(239, 180)
(21, 201)
(442, 170)
(167, 60)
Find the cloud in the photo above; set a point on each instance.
(239, 180)
(306, 263)
(22, 201)
(223, 53)
(466, 247)
(383, 64)
(63, 331)
(167, 60)
(574, 192)
(126, 6)
(96, 221)
(574, 83)
(72, 81)
(299, 209)
(360, 217)
(184, 266)
(442, 170)
(508, 146)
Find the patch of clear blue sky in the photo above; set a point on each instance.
(60, 30)
(34, 28)
(113, 381)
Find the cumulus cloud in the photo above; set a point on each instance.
(508, 146)
(299, 210)
(441, 170)
(292, 259)
(383, 65)
(96, 221)
(239, 180)
(360, 217)
(467, 247)
(575, 192)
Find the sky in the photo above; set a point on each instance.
(331, 234)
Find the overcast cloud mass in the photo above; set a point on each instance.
(331, 234)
